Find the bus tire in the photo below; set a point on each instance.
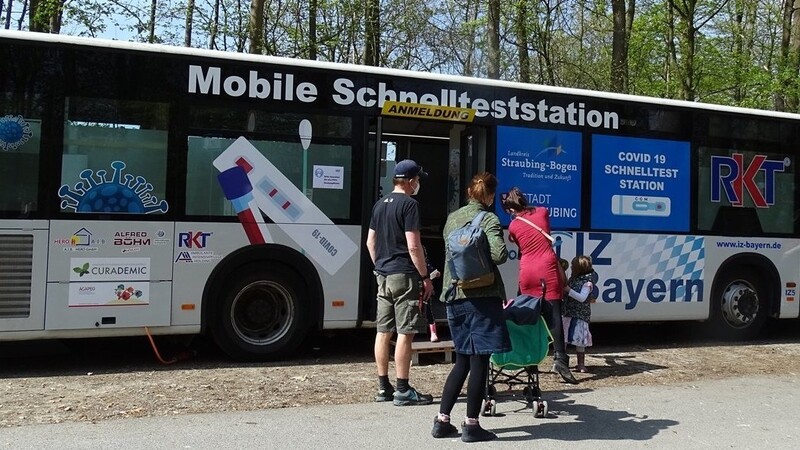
(739, 304)
(264, 313)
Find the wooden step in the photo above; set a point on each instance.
(418, 347)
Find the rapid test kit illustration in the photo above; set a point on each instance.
(254, 185)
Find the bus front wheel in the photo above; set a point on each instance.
(263, 313)
(739, 305)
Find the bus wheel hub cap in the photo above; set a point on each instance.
(739, 305)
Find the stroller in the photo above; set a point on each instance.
(530, 342)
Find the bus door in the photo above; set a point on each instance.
(440, 148)
(23, 266)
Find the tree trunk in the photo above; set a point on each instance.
(685, 9)
(522, 41)
(793, 97)
(312, 29)
(493, 30)
(151, 27)
(619, 48)
(372, 32)
(738, 52)
(32, 26)
(22, 15)
(256, 27)
(54, 25)
(212, 35)
(187, 37)
(470, 16)
(779, 96)
(33, 10)
(671, 51)
(8, 14)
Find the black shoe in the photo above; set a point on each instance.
(412, 397)
(561, 368)
(474, 433)
(385, 395)
(443, 429)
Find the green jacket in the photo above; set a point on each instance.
(497, 245)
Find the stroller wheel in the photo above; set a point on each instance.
(489, 407)
(540, 409)
(527, 393)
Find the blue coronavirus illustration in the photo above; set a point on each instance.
(14, 132)
(99, 194)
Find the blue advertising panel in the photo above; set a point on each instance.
(546, 166)
(640, 184)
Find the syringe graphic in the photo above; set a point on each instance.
(237, 188)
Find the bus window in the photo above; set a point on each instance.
(119, 147)
(303, 160)
(20, 141)
(745, 192)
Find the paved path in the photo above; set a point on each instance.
(750, 412)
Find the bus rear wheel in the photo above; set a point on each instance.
(263, 314)
(740, 305)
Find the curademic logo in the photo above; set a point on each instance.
(729, 173)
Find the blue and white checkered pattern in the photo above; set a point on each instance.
(658, 257)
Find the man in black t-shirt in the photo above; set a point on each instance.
(395, 247)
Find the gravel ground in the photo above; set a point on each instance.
(119, 378)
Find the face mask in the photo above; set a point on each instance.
(416, 189)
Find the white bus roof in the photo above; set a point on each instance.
(264, 59)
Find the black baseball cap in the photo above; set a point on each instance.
(408, 169)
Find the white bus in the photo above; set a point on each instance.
(173, 191)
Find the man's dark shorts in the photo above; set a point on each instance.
(398, 303)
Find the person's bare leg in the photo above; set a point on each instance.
(434, 335)
(382, 342)
(402, 355)
(385, 388)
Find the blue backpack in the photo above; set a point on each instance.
(470, 259)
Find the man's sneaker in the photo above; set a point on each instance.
(561, 368)
(385, 395)
(411, 397)
(443, 429)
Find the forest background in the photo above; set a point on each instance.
(732, 52)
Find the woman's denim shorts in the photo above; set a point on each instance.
(477, 326)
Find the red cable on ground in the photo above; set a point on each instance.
(155, 349)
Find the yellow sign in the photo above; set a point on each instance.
(434, 112)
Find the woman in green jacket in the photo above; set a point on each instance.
(475, 316)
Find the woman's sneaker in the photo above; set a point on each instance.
(411, 397)
(385, 395)
(443, 429)
(474, 433)
(561, 368)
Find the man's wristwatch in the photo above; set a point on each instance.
(426, 277)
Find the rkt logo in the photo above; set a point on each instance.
(193, 239)
(736, 179)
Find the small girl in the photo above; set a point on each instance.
(577, 311)
(434, 274)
